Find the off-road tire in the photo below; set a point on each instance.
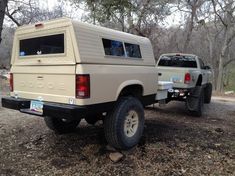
(207, 93)
(114, 123)
(195, 102)
(60, 126)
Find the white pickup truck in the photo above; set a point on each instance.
(192, 79)
(65, 70)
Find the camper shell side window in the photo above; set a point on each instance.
(116, 48)
(133, 50)
(113, 47)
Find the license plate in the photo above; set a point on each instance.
(176, 79)
(36, 106)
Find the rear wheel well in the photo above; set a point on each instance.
(135, 90)
(199, 80)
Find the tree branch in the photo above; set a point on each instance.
(221, 19)
(10, 15)
(228, 62)
(13, 19)
(230, 39)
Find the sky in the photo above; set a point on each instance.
(52, 3)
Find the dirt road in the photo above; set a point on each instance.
(174, 143)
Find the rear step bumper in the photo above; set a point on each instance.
(13, 103)
(62, 111)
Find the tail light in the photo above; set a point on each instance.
(187, 78)
(11, 82)
(82, 86)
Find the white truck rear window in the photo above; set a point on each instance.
(178, 61)
(52, 44)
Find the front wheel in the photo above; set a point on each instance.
(60, 126)
(124, 126)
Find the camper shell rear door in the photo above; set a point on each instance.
(43, 62)
(33, 44)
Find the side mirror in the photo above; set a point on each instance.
(207, 67)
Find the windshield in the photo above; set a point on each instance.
(178, 61)
(52, 44)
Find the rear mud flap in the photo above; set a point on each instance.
(193, 100)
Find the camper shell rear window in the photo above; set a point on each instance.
(178, 61)
(51, 44)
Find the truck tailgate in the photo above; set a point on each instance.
(47, 83)
(172, 74)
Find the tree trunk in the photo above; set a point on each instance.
(3, 5)
(219, 85)
(190, 25)
(210, 48)
(210, 43)
(188, 37)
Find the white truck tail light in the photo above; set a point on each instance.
(187, 78)
(11, 82)
(82, 86)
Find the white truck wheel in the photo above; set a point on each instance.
(208, 93)
(195, 101)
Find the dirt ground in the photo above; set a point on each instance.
(174, 143)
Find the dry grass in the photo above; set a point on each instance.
(221, 94)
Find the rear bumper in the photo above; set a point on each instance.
(178, 94)
(13, 103)
(62, 111)
(58, 110)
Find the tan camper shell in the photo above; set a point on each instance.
(51, 77)
(66, 70)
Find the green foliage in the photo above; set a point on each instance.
(127, 15)
(231, 79)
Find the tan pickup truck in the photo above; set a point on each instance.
(65, 70)
(192, 80)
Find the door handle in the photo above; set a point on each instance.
(40, 77)
(159, 74)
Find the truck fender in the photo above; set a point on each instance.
(195, 77)
(199, 80)
(128, 83)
